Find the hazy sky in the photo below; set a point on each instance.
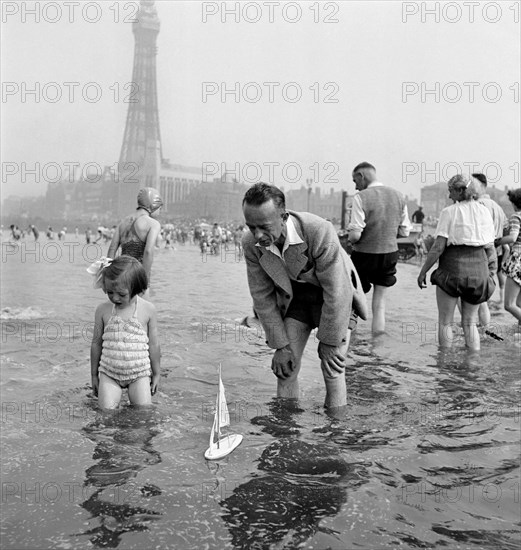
(362, 79)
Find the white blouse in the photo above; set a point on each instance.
(467, 223)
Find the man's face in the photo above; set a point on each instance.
(266, 222)
(359, 181)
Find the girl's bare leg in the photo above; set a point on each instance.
(109, 392)
(139, 391)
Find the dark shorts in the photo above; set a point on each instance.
(463, 273)
(306, 305)
(376, 269)
(499, 262)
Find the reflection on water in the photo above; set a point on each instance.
(123, 448)
(298, 485)
(462, 412)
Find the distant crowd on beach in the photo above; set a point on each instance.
(210, 237)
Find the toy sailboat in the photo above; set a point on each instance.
(220, 445)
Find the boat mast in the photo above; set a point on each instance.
(218, 412)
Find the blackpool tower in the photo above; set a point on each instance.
(141, 155)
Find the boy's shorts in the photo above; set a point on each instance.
(376, 269)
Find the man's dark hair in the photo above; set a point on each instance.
(263, 192)
(514, 196)
(363, 165)
(481, 178)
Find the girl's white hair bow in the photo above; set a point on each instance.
(97, 267)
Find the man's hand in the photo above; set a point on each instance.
(283, 363)
(333, 360)
(354, 236)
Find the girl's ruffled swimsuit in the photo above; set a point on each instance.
(124, 355)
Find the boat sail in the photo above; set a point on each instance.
(220, 445)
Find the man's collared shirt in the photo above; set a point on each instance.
(292, 237)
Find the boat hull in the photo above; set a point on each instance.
(226, 445)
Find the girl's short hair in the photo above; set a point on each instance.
(127, 271)
(466, 185)
(514, 196)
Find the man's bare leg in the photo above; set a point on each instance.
(298, 334)
(336, 391)
(378, 308)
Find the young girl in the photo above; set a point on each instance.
(512, 264)
(125, 350)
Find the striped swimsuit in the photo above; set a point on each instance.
(124, 355)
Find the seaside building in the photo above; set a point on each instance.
(326, 205)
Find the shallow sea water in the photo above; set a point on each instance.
(427, 454)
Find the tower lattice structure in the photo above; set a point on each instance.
(141, 153)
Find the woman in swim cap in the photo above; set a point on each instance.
(137, 234)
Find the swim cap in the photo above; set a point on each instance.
(149, 199)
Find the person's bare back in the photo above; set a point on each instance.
(137, 234)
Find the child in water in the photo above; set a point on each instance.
(419, 245)
(125, 351)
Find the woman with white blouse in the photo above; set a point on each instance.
(464, 246)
